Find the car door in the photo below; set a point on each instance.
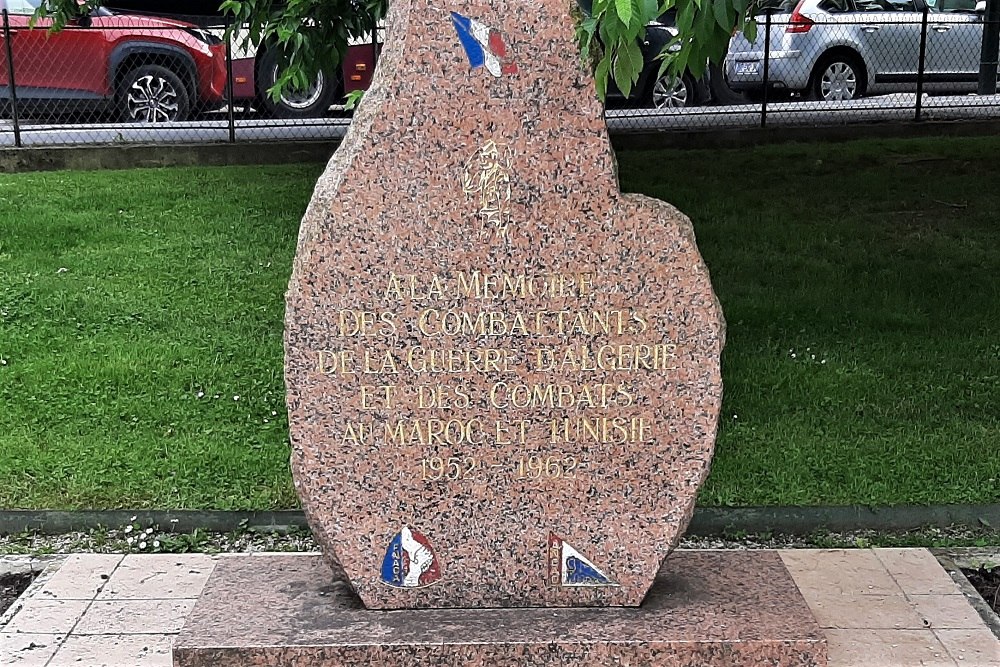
(888, 35)
(58, 66)
(954, 42)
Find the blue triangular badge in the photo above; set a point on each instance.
(568, 567)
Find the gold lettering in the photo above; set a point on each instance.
(520, 432)
(420, 359)
(393, 289)
(356, 434)
(365, 323)
(604, 430)
(502, 431)
(442, 396)
(437, 288)
(470, 286)
(365, 397)
(479, 285)
(452, 432)
(376, 363)
(329, 362)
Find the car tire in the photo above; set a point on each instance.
(667, 91)
(719, 88)
(153, 94)
(314, 102)
(837, 77)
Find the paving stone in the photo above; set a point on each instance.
(81, 577)
(880, 612)
(135, 616)
(946, 611)
(844, 571)
(886, 648)
(971, 648)
(40, 615)
(159, 576)
(26, 649)
(114, 651)
(917, 572)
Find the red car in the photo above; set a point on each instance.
(256, 69)
(143, 69)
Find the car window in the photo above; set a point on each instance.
(874, 5)
(22, 7)
(953, 6)
(835, 6)
(777, 5)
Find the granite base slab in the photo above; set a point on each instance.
(706, 608)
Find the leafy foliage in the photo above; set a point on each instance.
(309, 34)
(314, 34)
(609, 36)
(62, 12)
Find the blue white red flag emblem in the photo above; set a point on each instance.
(568, 567)
(409, 561)
(483, 45)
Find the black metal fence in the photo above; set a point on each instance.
(115, 78)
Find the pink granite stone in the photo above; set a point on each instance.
(706, 609)
(503, 374)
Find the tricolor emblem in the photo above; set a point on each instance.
(409, 561)
(568, 567)
(483, 45)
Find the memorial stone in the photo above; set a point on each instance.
(503, 389)
(503, 374)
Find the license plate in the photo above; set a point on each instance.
(747, 68)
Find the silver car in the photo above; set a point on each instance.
(843, 49)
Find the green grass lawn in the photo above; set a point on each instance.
(141, 315)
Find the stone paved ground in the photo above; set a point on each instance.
(878, 608)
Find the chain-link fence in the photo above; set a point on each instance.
(126, 78)
(830, 62)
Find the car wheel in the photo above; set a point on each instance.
(719, 87)
(671, 92)
(153, 94)
(313, 101)
(837, 78)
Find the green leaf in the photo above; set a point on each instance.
(627, 66)
(601, 76)
(723, 14)
(353, 98)
(685, 17)
(624, 10)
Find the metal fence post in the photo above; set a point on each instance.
(767, 69)
(229, 80)
(921, 64)
(374, 42)
(990, 48)
(11, 83)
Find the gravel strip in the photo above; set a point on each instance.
(134, 538)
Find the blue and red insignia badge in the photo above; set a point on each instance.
(410, 561)
(568, 567)
(483, 45)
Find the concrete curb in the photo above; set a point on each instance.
(707, 521)
(43, 566)
(952, 560)
(131, 156)
(135, 156)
